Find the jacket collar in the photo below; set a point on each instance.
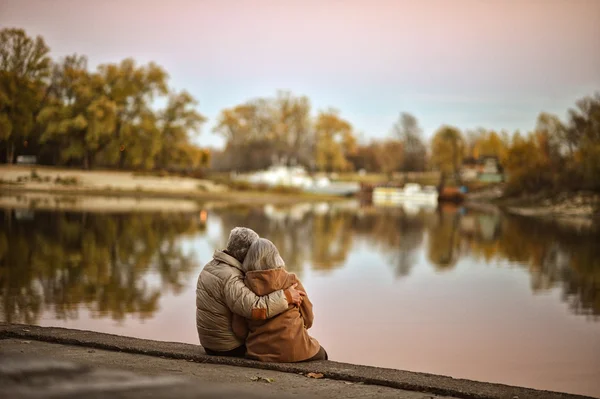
(228, 259)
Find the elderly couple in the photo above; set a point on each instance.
(247, 304)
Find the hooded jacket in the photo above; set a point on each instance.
(221, 292)
(283, 338)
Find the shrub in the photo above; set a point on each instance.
(67, 181)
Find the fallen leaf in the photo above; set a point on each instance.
(262, 379)
(25, 342)
(347, 383)
(314, 375)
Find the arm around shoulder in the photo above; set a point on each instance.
(242, 301)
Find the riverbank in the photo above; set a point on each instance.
(43, 201)
(43, 187)
(16, 180)
(161, 358)
(573, 209)
(28, 202)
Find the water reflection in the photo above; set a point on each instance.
(393, 232)
(59, 261)
(120, 264)
(553, 255)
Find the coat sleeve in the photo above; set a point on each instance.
(306, 309)
(242, 301)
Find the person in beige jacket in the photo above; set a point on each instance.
(221, 292)
(283, 338)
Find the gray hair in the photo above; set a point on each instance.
(262, 255)
(240, 240)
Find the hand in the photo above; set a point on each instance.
(296, 295)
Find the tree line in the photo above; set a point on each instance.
(66, 114)
(555, 155)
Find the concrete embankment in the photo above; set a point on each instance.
(163, 358)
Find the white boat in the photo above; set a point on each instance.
(410, 193)
(344, 189)
(296, 176)
(278, 175)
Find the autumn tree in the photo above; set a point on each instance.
(472, 138)
(292, 128)
(557, 156)
(491, 144)
(526, 165)
(555, 132)
(335, 141)
(378, 156)
(246, 129)
(447, 150)
(132, 88)
(178, 121)
(79, 118)
(407, 130)
(268, 130)
(549, 136)
(366, 157)
(24, 68)
(107, 117)
(582, 137)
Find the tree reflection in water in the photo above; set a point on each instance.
(60, 261)
(120, 264)
(553, 255)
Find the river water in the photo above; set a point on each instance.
(469, 294)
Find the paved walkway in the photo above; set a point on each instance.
(65, 373)
(186, 370)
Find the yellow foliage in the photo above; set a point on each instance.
(335, 141)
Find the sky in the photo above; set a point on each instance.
(467, 63)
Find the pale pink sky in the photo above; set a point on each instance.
(464, 62)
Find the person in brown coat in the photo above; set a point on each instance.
(283, 338)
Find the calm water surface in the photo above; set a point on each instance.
(455, 292)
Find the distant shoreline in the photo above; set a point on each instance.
(254, 197)
(72, 182)
(579, 209)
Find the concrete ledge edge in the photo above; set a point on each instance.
(412, 381)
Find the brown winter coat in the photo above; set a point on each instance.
(283, 338)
